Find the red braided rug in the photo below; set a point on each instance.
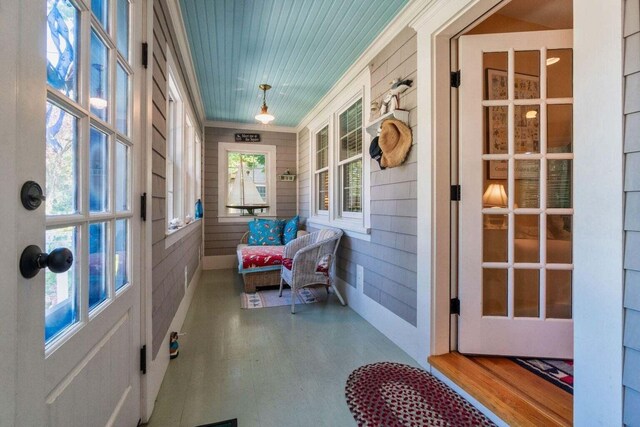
(394, 395)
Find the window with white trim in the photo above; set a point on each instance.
(246, 181)
(174, 150)
(350, 160)
(322, 171)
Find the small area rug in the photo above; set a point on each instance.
(396, 395)
(270, 298)
(557, 372)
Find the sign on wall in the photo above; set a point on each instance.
(247, 137)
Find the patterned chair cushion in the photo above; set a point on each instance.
(321, 268)
(265, 232)
(290, 229)
(260, 256)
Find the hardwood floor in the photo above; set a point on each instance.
(516, 395)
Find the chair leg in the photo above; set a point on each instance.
(281, 282)
(335, 289)
(293, 300)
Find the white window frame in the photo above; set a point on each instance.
(356, 225)
(181, 169)
(270, 151)
(341, 163)
(317, 172)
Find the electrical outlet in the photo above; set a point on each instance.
(360, 278)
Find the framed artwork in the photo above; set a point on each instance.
(526, 129)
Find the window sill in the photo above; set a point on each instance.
(243, 219)
(351, 228)
(174, 236)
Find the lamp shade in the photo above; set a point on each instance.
(495, 196)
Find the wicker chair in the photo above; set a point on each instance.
(313, 257)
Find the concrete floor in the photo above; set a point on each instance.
(266, 367)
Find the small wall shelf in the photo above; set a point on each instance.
(402, 115)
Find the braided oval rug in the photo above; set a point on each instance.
(396, 395)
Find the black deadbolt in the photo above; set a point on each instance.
(33, 259)
(31, 195)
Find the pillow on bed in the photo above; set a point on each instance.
(265, 232)
(290, 229)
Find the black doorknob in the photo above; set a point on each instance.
(33, 259)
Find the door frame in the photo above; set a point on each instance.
(599, 395)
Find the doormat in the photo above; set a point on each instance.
(396, 395)
(228, 423)
(557, 372)
(270, 298)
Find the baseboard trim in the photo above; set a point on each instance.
(219, 262)
(403, 334)
(158, 367)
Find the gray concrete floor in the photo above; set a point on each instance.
(265, 367)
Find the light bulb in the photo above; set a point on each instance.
(552, 60)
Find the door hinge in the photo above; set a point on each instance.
(145, 55)
(455, 78)
(143, 359)
(143, 206)
(454, 307)
(455, 193)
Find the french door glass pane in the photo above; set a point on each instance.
(121, 272)
(559, 238)
(527, 183)
(352, 186)
(98, 171)
(61, 161)
(122, 34)
(560, 128)
(122, 100)
(559, 183)
(100, 8)
(527, 129)
(527, 70)
(495, 66)
(526, 293)
(559, 73)
(98, 290)
(61, 290)
(494, 292)
(494, 238)
(559, 294)
(122, 177)
(527, 235)
(99, 78)
(497, 133)
(62, 47)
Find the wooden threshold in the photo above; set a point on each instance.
(517, 396)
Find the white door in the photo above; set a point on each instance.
(515, 163)
(78, 332)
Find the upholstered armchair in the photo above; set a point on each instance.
(309, 260)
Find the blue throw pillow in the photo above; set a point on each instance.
(290, 229)
(265, 232)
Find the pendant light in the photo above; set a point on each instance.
(264, 115)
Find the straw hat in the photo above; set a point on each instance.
(395, 142)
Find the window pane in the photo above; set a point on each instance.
(247, 180)
(98, 290)
(122, 100)
(526, 293)
(322, 148)
(559, 73)
(122, 177)
(100, 8)
(98, 172)
(323, 191)
(62, 47)
(495, 66)
(62, 162)
(494, 292)
(121, 272)
(527, 70)
(351, 131)
(99, 80)
(559, 183)
(122, 34)
(352, 189)
(61, 290)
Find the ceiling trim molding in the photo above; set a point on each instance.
(249, 126)
(401, 21)
(177, 22)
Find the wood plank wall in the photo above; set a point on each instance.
(390, 259)
(222, 238)
(169, 264)
(631, 376)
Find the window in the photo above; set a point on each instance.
(88, 159)
(183, 168)
(246, 181)
(339, 171)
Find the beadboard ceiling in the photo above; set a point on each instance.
(300, 47)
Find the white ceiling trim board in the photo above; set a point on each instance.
(402, 20)
(177, 22)
(249, 126)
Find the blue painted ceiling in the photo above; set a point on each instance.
(300, 47)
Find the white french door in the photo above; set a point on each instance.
(80, 328)
(515, 213)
